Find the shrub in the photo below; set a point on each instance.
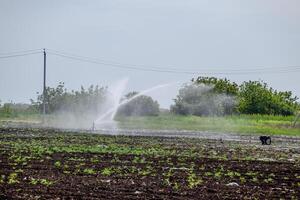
(200, 99)
(256, 97)
(140, 106)
(213, 96)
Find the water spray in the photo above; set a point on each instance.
(109, 115)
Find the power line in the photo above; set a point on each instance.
(19, 55)
(115, 65)
(20, 52)
(211, 71)
(109, 62)
(133, 67)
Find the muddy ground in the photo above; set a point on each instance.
(54, 164)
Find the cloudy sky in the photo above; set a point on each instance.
(240, 40)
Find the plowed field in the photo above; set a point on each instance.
(51, 164)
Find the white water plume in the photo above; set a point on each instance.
(109, 115)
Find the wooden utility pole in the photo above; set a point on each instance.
(44, 88)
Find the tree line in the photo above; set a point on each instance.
(214, 96)
(203, 96)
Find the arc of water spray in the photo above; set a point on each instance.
(112, 112)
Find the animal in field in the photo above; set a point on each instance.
(265, 140)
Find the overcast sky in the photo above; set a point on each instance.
(183, 34)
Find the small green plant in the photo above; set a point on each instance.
(89, 171)
(57, 164)
(193, 180)
(176, 186)
(268, 180)
(12, 178)
(242, 179)
(218, 174)
(254, 179)
(107, 171)
(19, 171)
(208, 173)
(34, 181)
(46, 182)
(144, 172)
(167, 175)
(94, 160)
(2, 178)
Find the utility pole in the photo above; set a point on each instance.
(44, 88)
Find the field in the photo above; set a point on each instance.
(240, 124)
(51, 164)
(237, 124)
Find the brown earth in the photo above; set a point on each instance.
(272, 179)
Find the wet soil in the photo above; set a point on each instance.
(144, 176)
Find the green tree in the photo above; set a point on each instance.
(223, 86)
(78, 102)
(201, 98)
(256, 97)
(140, 106)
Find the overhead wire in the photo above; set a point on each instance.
(20, 52)
(167, 70)
(210, 71)
(109, 62)
(19, 55)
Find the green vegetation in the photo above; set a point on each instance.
(243, 124)
(42, 158)
(45, 182)
(213, 96)
(257, 98)
(89, 171)
(202, 100)
(19, 111)
(78, 102)
(208, 104)
(140, 106)
(13, 178)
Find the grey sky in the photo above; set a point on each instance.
(187, 34)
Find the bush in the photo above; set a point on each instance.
(16, 109)
(76, 102)
(257, 98)
(221, 86)
(213, 96)
(139, 106)
(200, 99)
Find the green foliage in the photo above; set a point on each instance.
(213, 96)
(2, 179)
(219, 85)
(256, 97)
(202, 100)
(77, 102)
(57, 164)
(89, 171)
(45, 182)
(193, 180)
(107, 171)
(12, 110)
(6, 111)
(243, 124)
(140, 106)
(13, 178)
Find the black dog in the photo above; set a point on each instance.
(265, 140)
